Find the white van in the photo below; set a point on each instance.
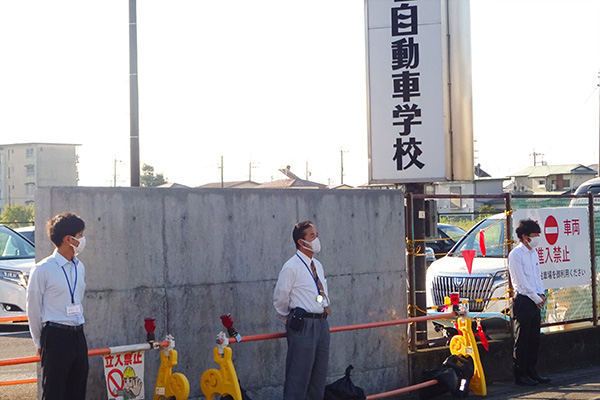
(486, 281)
(17, 258)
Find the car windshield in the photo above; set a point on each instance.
(453, 232)
(13, 246)
(493, 238)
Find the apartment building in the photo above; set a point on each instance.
(26, 166)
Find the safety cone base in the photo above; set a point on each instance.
(221, 381)
(466, 346)
(168, 384)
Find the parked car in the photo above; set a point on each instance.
(446, 238)
(17, 257)
(28, 232)
(593, 186)
(429, 256)
(486, 280)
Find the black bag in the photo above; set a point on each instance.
(297, 320)
(244, 394)
(447, 382)
(344, 389)
(464, 368)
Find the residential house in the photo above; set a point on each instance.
(231, 185)
(557, 179)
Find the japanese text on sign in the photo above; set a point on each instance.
(404, 58)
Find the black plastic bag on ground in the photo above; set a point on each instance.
(447, 382)
(344, 389)
(464, 368)
(244, 394)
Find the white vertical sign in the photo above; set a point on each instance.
(407, 139)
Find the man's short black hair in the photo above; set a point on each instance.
(527, 227)
(65, 224)
(298, 232)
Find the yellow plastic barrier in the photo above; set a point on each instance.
(168, 384)
(223, 381)
(466, 346)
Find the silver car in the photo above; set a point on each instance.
(17, 257)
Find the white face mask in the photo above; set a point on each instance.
(315, 245)
(534, 241)
(79, 249)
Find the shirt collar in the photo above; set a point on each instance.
(61, 260)
(521, 244)
(304, 257)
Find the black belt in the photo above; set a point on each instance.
(72, 328)
(317, 316)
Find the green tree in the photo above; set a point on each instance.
(17, 216)
(487, 210)
(149, 178)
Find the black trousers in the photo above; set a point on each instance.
(64, 364)
(527, 335)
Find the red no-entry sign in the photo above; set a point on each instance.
(551, 230)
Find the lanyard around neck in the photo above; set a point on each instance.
(71, 291)
(315, 278)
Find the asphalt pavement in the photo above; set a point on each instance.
(580, 384)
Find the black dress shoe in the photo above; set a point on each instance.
(525, 381)
(540, 379)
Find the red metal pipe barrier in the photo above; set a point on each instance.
(18, 382)
(253, 338)
(93, 352)
(13, 319)
(403, 390)
(17, 361)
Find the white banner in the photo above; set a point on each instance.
(564, 250)
(124, 373)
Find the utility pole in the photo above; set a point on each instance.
(115, 173)
(134, 128)
(307, 173)
(250, 166)
(342, 165)
(221, 168)
(599, 124)
(534, 154)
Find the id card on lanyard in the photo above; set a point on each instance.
(321, 296)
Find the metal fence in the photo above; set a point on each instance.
(565, 306)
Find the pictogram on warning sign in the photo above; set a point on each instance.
(114, 381)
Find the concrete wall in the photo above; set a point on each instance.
(187, 256)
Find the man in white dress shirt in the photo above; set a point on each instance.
(55, 313)
(523, 265)
(301, 297)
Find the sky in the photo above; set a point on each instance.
(271, 83)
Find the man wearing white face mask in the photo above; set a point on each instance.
(525, 275)
(301, 298)
(54, 295)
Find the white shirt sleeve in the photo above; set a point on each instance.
(281, 295)
(516, 267)
(35, 292)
